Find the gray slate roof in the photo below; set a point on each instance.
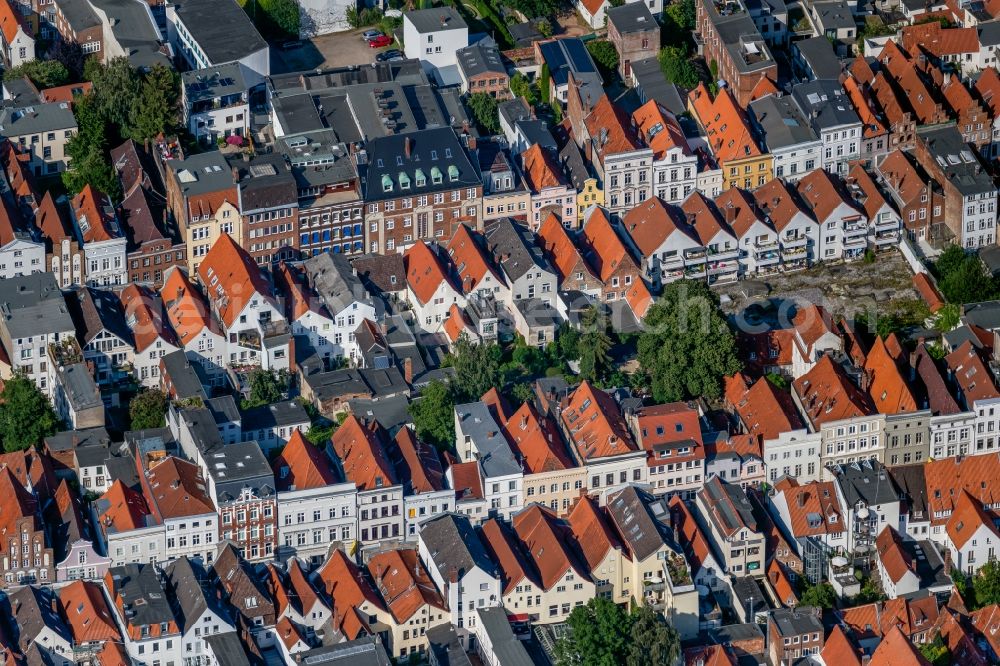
(221, 28)
(957, 160)
(632, 17)
(782, 124)
(366, 651)
(797, 621)
(211, 82)
(36, 118)
(436, 19)
(512, 247)
(142, 593)
(825, 103)
(480, 58)
(333, 277)
(867, 482)
(32, 305)
(819, 53)
(188, 586)
(454, 545)
(495, 454)
(644, 533)
(276, 415)
(431, 151)
(508, 649)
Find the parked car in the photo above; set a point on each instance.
(369, 35)
(379, 42)
(390, 55)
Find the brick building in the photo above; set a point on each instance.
(635, 34)
(733, 42)
(482, 71)
(269, 203)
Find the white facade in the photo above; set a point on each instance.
(21, 256)
(843, 234)
(418, 507)
(627, 179)
(310, 520)
(758, 248)
(951, 434)
(979, 219)
(794, 453)
(256, 66)
(30, 355)
(208, 350)
(192, 537)
(611, 474)
(436, 49)
(562, 198)
(21, 48)
(224, 121)
(105, 262)
(799, 240)
(106, 351)
(431, 314)
(258, 313)
(978, 549)
(793, 162)
(841, 146)
(853, 440)
(321, 17)
(504, 494)
(137, 546)
(147, 361)
(193, 638)
(380, 514)
(676, 175)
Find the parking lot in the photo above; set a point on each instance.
(326, 51)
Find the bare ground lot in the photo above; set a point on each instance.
(884, 286)
(337, 49)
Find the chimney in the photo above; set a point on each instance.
(408, 147)
(801, 499)
(471, 142)
(384, 327)
(913, 565)
(408, 370)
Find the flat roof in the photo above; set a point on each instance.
(221, 28)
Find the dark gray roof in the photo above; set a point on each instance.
(79, 387)
(202, 426)
(37, 118)
(134, 31)
(79, 14)
(537, 131)
(730, 633)
(507, 648)
(632, 17)
(957, 337)
(741, 39)
(512, 247)
(223, 409)
(191, 592)
(825, 104)
(513, 110)
(434, 155)
(480, 58)
(436, 19)
(630, 511)
(265, 182)
(142, 594)
(746, 588)
(32, 305)
(446, 647)
(525, 34)
(989, 33)
(985, 314)
(333, 277)
(781, 123)
(866, 482)
(834, 14)
(20, 91)
(276, 415)
(796, 621)
(391, 413)
(221, 28)
(730, 503)
(31, 610)
(990, 256)
(956, 159)
(913, 488)
(186, 378)
(495, 454)
(454, 546)
(538, 312)
(202, 173)
(73, 439)
(237, 466)
(366, 651)
(576, 168)
(384, 382)
(212, 82)
(318, 159)
(386, 273)
(819, 54)
(228, 649)
(570, 55)
(650, 80)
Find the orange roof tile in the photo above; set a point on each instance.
(639, 298)
(87, 613)
(957, 96)
(968, 516)
(839, 650)
(960, 643)
(52, 221)
(594, 536)
(765, 410)
(362, 453)
(232, 279)
(347, 588)
(175, 488)
(94, 215)
(11, 21)
(499, 407)
(424, 271)
(605, 250)
(504, 549)
(404, 583)
(32, 469)
(782, 585)
(652, 222)
(66, 93)
(670, 423)
(871, 126)
(689, 534)
(456, 324)
(144, 315)
(299, 298)
(187, 310)
(540, 169)
(113, 654)
(888, 388)
(895, 559)
(763, 88)
(988, 87)
(817, 498)
(466, 480)
(947, 478)
(470, 259)
(970, 372)
(660, 129)
(301, 465)
(897, 650)
(611, 129)
(779, 202)
(826, 394)
(420, 468)
(882, 618)
(564, 254)
(725, 124)
(873, 199)
(288, 633)
(595, 423)
(736, 208)
(546, 543)
(986, 621)
(123, 509)
(708, 655)
(822, 193)
(913, 91)
(536, 438)
(939, 41)
(17, 166)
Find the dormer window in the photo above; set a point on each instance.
(420, 178)
(452, 172)
(404, 181)
(436, 176)
(386, 183)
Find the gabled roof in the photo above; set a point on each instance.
(470, 259)
(639, 298)
(826, 394)
(302, 465)
(95, 216)
(779, 202)
(726, 126)
(11, 22)
(871, 124)
(87, 613)
(660, 129)
(299, 298)
(948, 478)
(939, 41)
(457, 323)
(605, 250)
(558, 245)
(232, 279)
(347, 588)
(592, 532)
(467, 481)
(822, 194)
(536, 438)
(960, 642)
(547, 543)
(988, 87)
(176, 489)
(404, 583)
(764, 87)
(652, 222)
(888, 388)
(187, 310)
(897, 650)
(122, 509)
(144, 315)
(813, 508)
(418, 468)
(765, 410)
(968, 516)
(595, 423)
(424, 271)
(361, 450)
(986, 621)
(691, 538)
(872, 201)
(736, 209)
(970, 373)
(611, 129)
(839, 650)
(505, 550)
(540, 169)
(895, 558)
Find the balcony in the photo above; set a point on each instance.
(855, 228)
(765, 242)
(794, 241)
(766, 257)
(724, 278)
(671, 276)
(887, 238)
(771, 269)
(854, 242)
(695, 271)
(672, 261)
(694, 255)
(722, 254)
(722, 267)
(889, 223)
(794, 265)
(793, 252)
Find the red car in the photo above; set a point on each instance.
(379, 42)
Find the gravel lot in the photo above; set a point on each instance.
(334, 50)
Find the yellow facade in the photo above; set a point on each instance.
(748, 173)
(200, 236)
(589, 195)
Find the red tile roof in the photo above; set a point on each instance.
(546, 542)
(232, 279)
(960, 642)
(822, 194)
(779, 202)
(652, 222)
(470, 259)
(87, 614)
(420, 468)
(763, 88)
(895, 558)
(971, 374)
(838, 650)
(939, 41)
(606, 251)
(689, 534)
(725, 124)
(466, 481)
(736, 208)
(301, 465)
(639, 298)
(175, 488)
(782, 584)
(611, 130)
(11, 21)
(537, 440)
(126, 509)
(504, 549)
(144, 315)
(986, 621)
(361, 450)
(871, 124)
(897, 650)
(424, 271)
(556, 241)
(826, 394)
(947, 478)
(595, 423)
(988, 87)
(66, 93)
(708, 655)
(347, 588)
(187, 310)
(968, 516)
(299, 298)
(93, 211)
(660, 129)
(883, 618)
(404, 583)
(888, 388)
(593, 534)
(541, 170)
(816, 498)
(873, 199)
(765, 410)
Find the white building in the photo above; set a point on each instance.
(480, 438)
(103, 242)
(832, 117)
(675, 165)
(347, 304)
(794, 454)
(434, 36)
(19, 255)
(202, 612)
(430, 291)
(209, 33)
(177, 491)
(843, 227)
(788, 136)
(196, 329)
(153, 338)
(18, 39)
(522, 262)
(216, 103)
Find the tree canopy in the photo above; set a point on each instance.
(601, 633)
(676, 66)
(434, 415)
(593, 346)
(653, 640)
(522, 87)
(605, 55)
(26, 415)
(821, 595)
(687, 348)
(477, 368)
(147, 410)
(43, 73)
(266, 387)
(485, 110)
(962, 278)
(986, 584)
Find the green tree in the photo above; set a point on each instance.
(986, 584)
(155, 111)
(713, 69)
(778, 380)
(687, 348)
(26, 415)
(43, 73)
(870, 592)
(682, 13)
(568, 341)
(523, 392)
(117, 89)
(677, 68)
(266, 387)
(821, 595)
(484, 109)
(70, 55)
(544, 81)
(523, 88)
(544, 27)
(948, 317)
(477, 368)
(594, 345)
(653, 642)
(147, 410)
(434, 415)
(598, 635)
(605, 55)
(278, 18)
(88, 151)
(936, 652)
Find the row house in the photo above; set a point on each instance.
(73, 542)
(297, 601)
(551, 191)
(559, 247)
(787, 135)
(196, 330)
(199, 610)
(843, 227)
(215, 103)
(417, 187)
(917, 197)
(504, 192)
(832, 118)
(811, 518)
(522, 263)
(797, 234)
(675, 166)
(480, 438)
(731, 528)
(730, 139)
(665, 241)
(106, 340)
(243, 301)
(152, 337)
(28, 556)
(360, 450)
(20, 254)
(316, 507)
(738, 458)
(757, 243)
(269, 208)
(878, 94)
(204, 199)
(869, 500)
(884, 223)
(602, 550)
(728, 35)
(875, 137)
(987, 88)
(176, 494)
(977, 392)
(706, 568)
(100, 235)
(127, 529)
(603, 249)
(419, 470)
(143, 613)
(766, 413)
(348, 305)
(431, 290)
(971, 117)
(150, 249)
(255, 615)
(622, 158)
(478, 278)
(911, 88)
(672, 438)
